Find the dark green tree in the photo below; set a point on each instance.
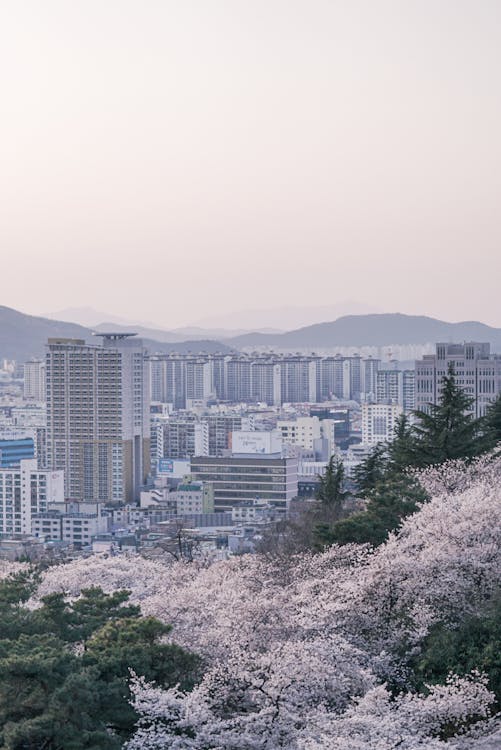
(389, 503)
(403, 449)
(448, 429)
(371, 471)
(330, 497)
(64, 668)
(331, 491)
(491, 426)
(474, 643)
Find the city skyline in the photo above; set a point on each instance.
(275, 152)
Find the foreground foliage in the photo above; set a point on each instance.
(64, 666)
(353, 647)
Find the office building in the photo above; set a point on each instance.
(476, 370)
(98, 417)
(256, 442)
(243, 478)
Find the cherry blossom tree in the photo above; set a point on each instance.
(314, 652)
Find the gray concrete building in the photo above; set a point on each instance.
(477, 372)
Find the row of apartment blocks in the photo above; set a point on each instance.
(186, 380)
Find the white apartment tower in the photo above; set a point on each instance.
(98, 423)
(396, 387)
(34, 380)
(24, 491)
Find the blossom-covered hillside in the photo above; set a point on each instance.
(325, 651)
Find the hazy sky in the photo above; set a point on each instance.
(173, 159)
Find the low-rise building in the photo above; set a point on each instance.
(76, 523)
(194, 497)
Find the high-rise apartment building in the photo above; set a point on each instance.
(266, 382)
(368, 382)
(98, 421)
(34, 380)
(330, 384)
(298, 379)
(24, 491)
(185, 436)
(198, 382)
(238, 379)
(476, 371)
(168, 379)
(397, 387)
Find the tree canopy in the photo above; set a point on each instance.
(65, 666)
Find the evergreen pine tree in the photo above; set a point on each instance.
(371, 471)
(331, 493)
(491, 426)
(448, 429)
(402, 450)
(389, 503)
(54, 695)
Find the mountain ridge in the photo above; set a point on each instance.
(23, 337)
(375, 329)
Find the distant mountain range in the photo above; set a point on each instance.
(373, 330)
(24, 336)
(287, 317)
(98, 320)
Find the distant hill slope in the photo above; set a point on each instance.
(374, 330)
(178, 334)
(24, 336)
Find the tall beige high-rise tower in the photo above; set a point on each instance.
(98, 422)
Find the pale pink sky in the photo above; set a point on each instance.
(170, 160)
